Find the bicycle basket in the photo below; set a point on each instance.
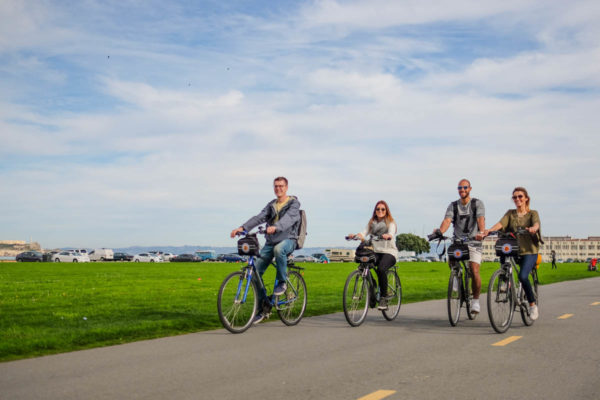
(458, 252)
(248, 246)
(507, 247)
(364, 254)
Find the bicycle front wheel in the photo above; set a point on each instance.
(237, 302)
(454, 297)
(394, 296)
(292, 304)
(356, 298)
(500, 301)
(525, 303)
(468, 292)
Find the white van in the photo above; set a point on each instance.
(102, 255)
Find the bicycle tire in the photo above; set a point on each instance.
(525, 303)
(294, 298)
(468, 294)
(454, 297)
(394, 296)
(356, 298)
(500, 300)
(235, 314)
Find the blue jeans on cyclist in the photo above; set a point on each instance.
(280, 251)
(527, 264)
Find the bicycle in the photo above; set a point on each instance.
(504, 295)
(459, 290)
(237, 301)
(362, 291)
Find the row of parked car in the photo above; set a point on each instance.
(82, 255)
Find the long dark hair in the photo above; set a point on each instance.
(388, 215)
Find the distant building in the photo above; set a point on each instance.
(10, 248)
(565, 247)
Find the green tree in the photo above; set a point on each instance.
(410, 242)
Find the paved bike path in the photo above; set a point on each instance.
(417, 356)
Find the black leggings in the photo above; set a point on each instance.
(384, 262)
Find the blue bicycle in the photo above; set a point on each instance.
(237, 302)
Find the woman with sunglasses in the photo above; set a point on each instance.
(529, 245)
(382, 224)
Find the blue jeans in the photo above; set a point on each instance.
(527, 263)
(280, 251)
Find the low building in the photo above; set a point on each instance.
(565, 248)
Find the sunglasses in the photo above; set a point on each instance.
(279, 186)
(380, 209)
(519, 196)
(463, 187)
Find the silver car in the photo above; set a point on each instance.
(147, 257)
(70, 256)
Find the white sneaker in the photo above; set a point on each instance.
(533, 312)
(475, 307)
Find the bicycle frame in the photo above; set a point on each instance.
(464, 273)
(510, 266)
(366, 273)
(251, 272)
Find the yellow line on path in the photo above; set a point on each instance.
(507, 341)
(596, 303)
(378, 395)
(565, 316)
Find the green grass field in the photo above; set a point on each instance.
(50, 308)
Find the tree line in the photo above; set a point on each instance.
(410, 242)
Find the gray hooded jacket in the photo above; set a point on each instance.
(287, 226)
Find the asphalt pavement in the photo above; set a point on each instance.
(417, 356)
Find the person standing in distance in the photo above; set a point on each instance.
(553, 259)
(282, 216)
(467, 216)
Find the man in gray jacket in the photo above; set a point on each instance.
(282, 216)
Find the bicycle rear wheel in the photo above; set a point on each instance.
(394, 296)
(500, 301)
(454, 297)
(356, 298)
(237, 302)
(292, 304)
(525, 303)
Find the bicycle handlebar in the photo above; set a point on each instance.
(261, 231)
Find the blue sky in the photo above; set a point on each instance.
(145, 123)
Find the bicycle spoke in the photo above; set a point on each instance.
(356, 298)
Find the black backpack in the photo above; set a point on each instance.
(473, 213)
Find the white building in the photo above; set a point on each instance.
(564, 246)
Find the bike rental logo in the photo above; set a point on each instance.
(507, 248)
(458, 253)
(245, 247)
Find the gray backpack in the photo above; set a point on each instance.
(301, 230)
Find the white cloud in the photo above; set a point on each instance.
(157, 155)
